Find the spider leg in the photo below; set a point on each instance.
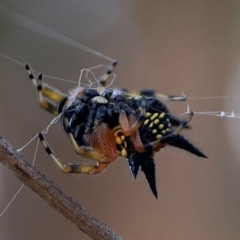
(70, 167)
(89, 152)
(46, 93)
(104, 77)
(161, 96)
(130, 125)
(183, 124)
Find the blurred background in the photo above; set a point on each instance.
(169, 46)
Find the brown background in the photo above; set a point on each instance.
(170, 46)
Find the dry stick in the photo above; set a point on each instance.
(53, 195)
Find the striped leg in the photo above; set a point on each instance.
(69, 167)
(160, 96)
(46, 93)
(103, 79)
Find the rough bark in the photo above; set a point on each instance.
(53, 195)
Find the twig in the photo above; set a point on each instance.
(53, 195)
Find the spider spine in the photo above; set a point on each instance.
(104, 124)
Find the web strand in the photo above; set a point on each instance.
(27, 23)
(11, 59)
(19, 190)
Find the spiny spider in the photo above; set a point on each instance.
(103, 124)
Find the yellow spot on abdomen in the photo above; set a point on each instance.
(155, 115)
(161, 126)
(154, 131)
(162, 115)
(146, 122)
(159, 136)
(148, 114)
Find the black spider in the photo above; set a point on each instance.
(104, 124)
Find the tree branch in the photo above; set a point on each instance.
(53, 195)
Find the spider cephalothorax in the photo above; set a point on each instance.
(104, 124)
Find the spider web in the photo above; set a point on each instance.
(87, 78)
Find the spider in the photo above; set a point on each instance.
(103, 124)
